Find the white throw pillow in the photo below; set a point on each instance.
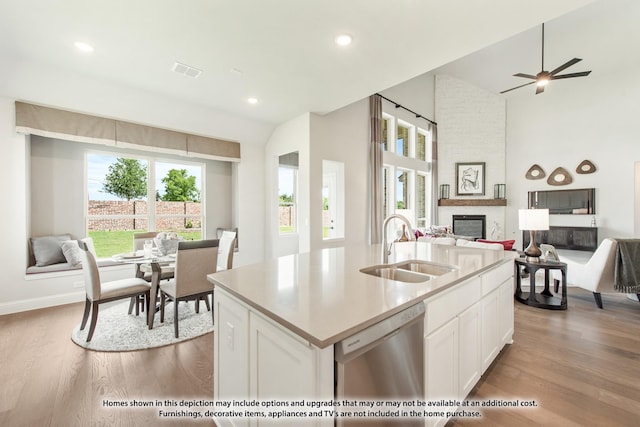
(71, 252)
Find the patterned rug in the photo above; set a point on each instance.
(116, 330)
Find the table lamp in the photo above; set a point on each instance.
(533, 220)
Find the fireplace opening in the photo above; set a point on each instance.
(470, 226)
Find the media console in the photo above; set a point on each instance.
(561, 237)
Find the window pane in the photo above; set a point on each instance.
(178, 208)
(287, 189)
(402, 190)
(421, 206)
(421, 146)
(402, 141)
(385, 189)
(385, 134)
(117, 205)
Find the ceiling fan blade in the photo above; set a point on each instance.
(517, 87)
(539, 89)
(568, 76)
(565, 65)
(526, 76)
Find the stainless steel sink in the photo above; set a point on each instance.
(412, 271)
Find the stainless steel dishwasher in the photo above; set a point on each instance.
(384, 362)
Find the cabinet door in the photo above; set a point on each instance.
(470, 368)
(441, 366)
(505, 313)
(489, 313)
(231, 348)
(285, 366)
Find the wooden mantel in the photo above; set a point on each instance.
(472, 202)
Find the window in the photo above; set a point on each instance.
(119, 189)
(287, 193)
(407, 170)
(402, 140)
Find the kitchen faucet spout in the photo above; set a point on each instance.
(386, 247)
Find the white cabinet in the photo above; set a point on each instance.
(283, 365)
(505, 312)
(441, 350)
(231, 348)
(496, 312)
(465, 329)
(489, 346)
(470, 368)
(257, 359)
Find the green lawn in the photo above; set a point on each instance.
(108, 243)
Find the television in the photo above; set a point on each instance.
(573, 202)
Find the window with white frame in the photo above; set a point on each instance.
(127, 195)
(407, 169)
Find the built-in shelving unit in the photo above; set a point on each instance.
(472, 202)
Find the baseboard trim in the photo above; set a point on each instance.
(41, 302)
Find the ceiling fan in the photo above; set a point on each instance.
(543, 77)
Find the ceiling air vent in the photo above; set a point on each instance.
(186, 70)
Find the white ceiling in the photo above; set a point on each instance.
(605, 35)
(285, 51)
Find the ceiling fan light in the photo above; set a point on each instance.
(542, 81)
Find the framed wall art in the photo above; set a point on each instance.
(470, 179)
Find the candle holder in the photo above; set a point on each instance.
(444, 191)
(499, 191)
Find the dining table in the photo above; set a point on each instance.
(145, 263)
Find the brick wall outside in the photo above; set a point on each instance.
(139, 207)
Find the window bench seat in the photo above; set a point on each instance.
(66, 267)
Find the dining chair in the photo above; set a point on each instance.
(195, 259)
(144, 272)
(226, 248)
(98, 292)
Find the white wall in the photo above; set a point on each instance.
(288, 137)
(593, 118)
(70, 90)
(471, 128)
(342, 136)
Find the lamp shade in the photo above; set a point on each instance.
(533, 219)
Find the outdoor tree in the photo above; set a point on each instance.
(179, 186)
(127, 179)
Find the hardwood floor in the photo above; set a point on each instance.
(47, 380)
(581, 366)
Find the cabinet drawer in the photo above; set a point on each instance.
(495, 277)
(447, 306)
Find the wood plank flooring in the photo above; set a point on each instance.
(581, 366)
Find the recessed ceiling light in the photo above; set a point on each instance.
(344, 40)
(84, 47)
(252, 100)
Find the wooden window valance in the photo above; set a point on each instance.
(62, 124)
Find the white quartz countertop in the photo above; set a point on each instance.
(323, 297)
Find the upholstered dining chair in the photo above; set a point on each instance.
(144, 272)
(194, 261)
(226, 247)
(98, 292)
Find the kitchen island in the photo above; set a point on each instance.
(277, 321)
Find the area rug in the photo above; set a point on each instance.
(117, 330)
